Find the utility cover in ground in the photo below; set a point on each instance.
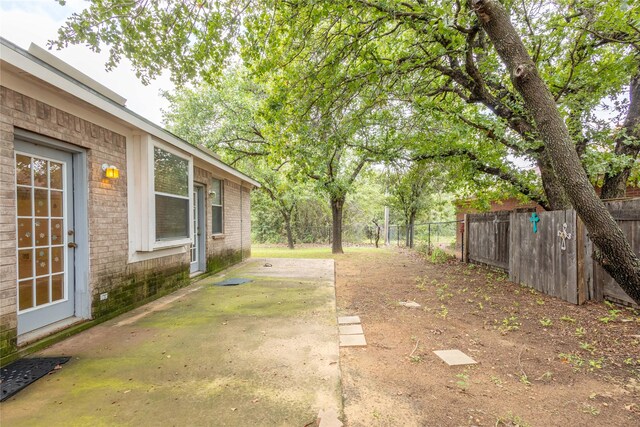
(232, 282)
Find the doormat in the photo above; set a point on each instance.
(19, 374)
(233, 282)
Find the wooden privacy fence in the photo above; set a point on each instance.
(555, 258)
(539, 259)
(601, 285)
(488, 238)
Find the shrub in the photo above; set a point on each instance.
(438, 256)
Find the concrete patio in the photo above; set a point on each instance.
(262, 353)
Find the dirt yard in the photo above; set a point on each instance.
(541, 361)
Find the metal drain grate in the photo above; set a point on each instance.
(19, 374)
(233, 282)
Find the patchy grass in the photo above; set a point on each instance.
(308, 251)
(539, 358)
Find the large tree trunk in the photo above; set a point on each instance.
(376, 235)
(411, 229)
(336, 230)
(613, 250)
(556, 197)
(288, 229)
(628, 143)
(407, 239)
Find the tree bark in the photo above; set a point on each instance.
(628, 143)
(337, 203)
(613, 251)
(410, 229)
(288, 229)
(377, 232)
(556, 197)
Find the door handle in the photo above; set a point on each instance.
(72, 245)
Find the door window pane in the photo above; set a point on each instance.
(56, 232)
(42, 261)
(24, 201)
(42, 290)
(56, 203)
(25, 294)
(40, 173)
(23, 169)
(57, 259)
(25, 232)
(55, 175)
(25, 264)
(41, 231)
(57, 287)
(41, 201)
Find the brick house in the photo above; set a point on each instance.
(100, 209)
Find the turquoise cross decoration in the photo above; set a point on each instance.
(534, 220)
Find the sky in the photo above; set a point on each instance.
(25, 21)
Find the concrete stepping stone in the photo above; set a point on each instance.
(454, 357)
(350, 329)
(352, 341)
(329, 418)
(409, 304)
(348, 320)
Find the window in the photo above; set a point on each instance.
(216, 206)
(171, 187)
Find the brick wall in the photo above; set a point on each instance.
(8, 320)
(128, 284)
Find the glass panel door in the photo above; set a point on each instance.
(44, 201)
(194, 232)
(197, 232)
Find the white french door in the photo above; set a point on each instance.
(44, 219)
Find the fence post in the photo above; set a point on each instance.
(461, 241)
(513, 248)
(580, 257)
(411, 237)
(429, 240)
(465, 239)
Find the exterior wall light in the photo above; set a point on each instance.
(110, 171)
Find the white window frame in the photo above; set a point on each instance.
(145, 196)
(159, 244)
(221, 205)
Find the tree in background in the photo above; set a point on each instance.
(226, 119)
(412, 189)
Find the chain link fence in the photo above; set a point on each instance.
(431, 235)
(441, 235)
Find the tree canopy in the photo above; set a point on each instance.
(481, 83)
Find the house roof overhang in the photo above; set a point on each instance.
(27, 62)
